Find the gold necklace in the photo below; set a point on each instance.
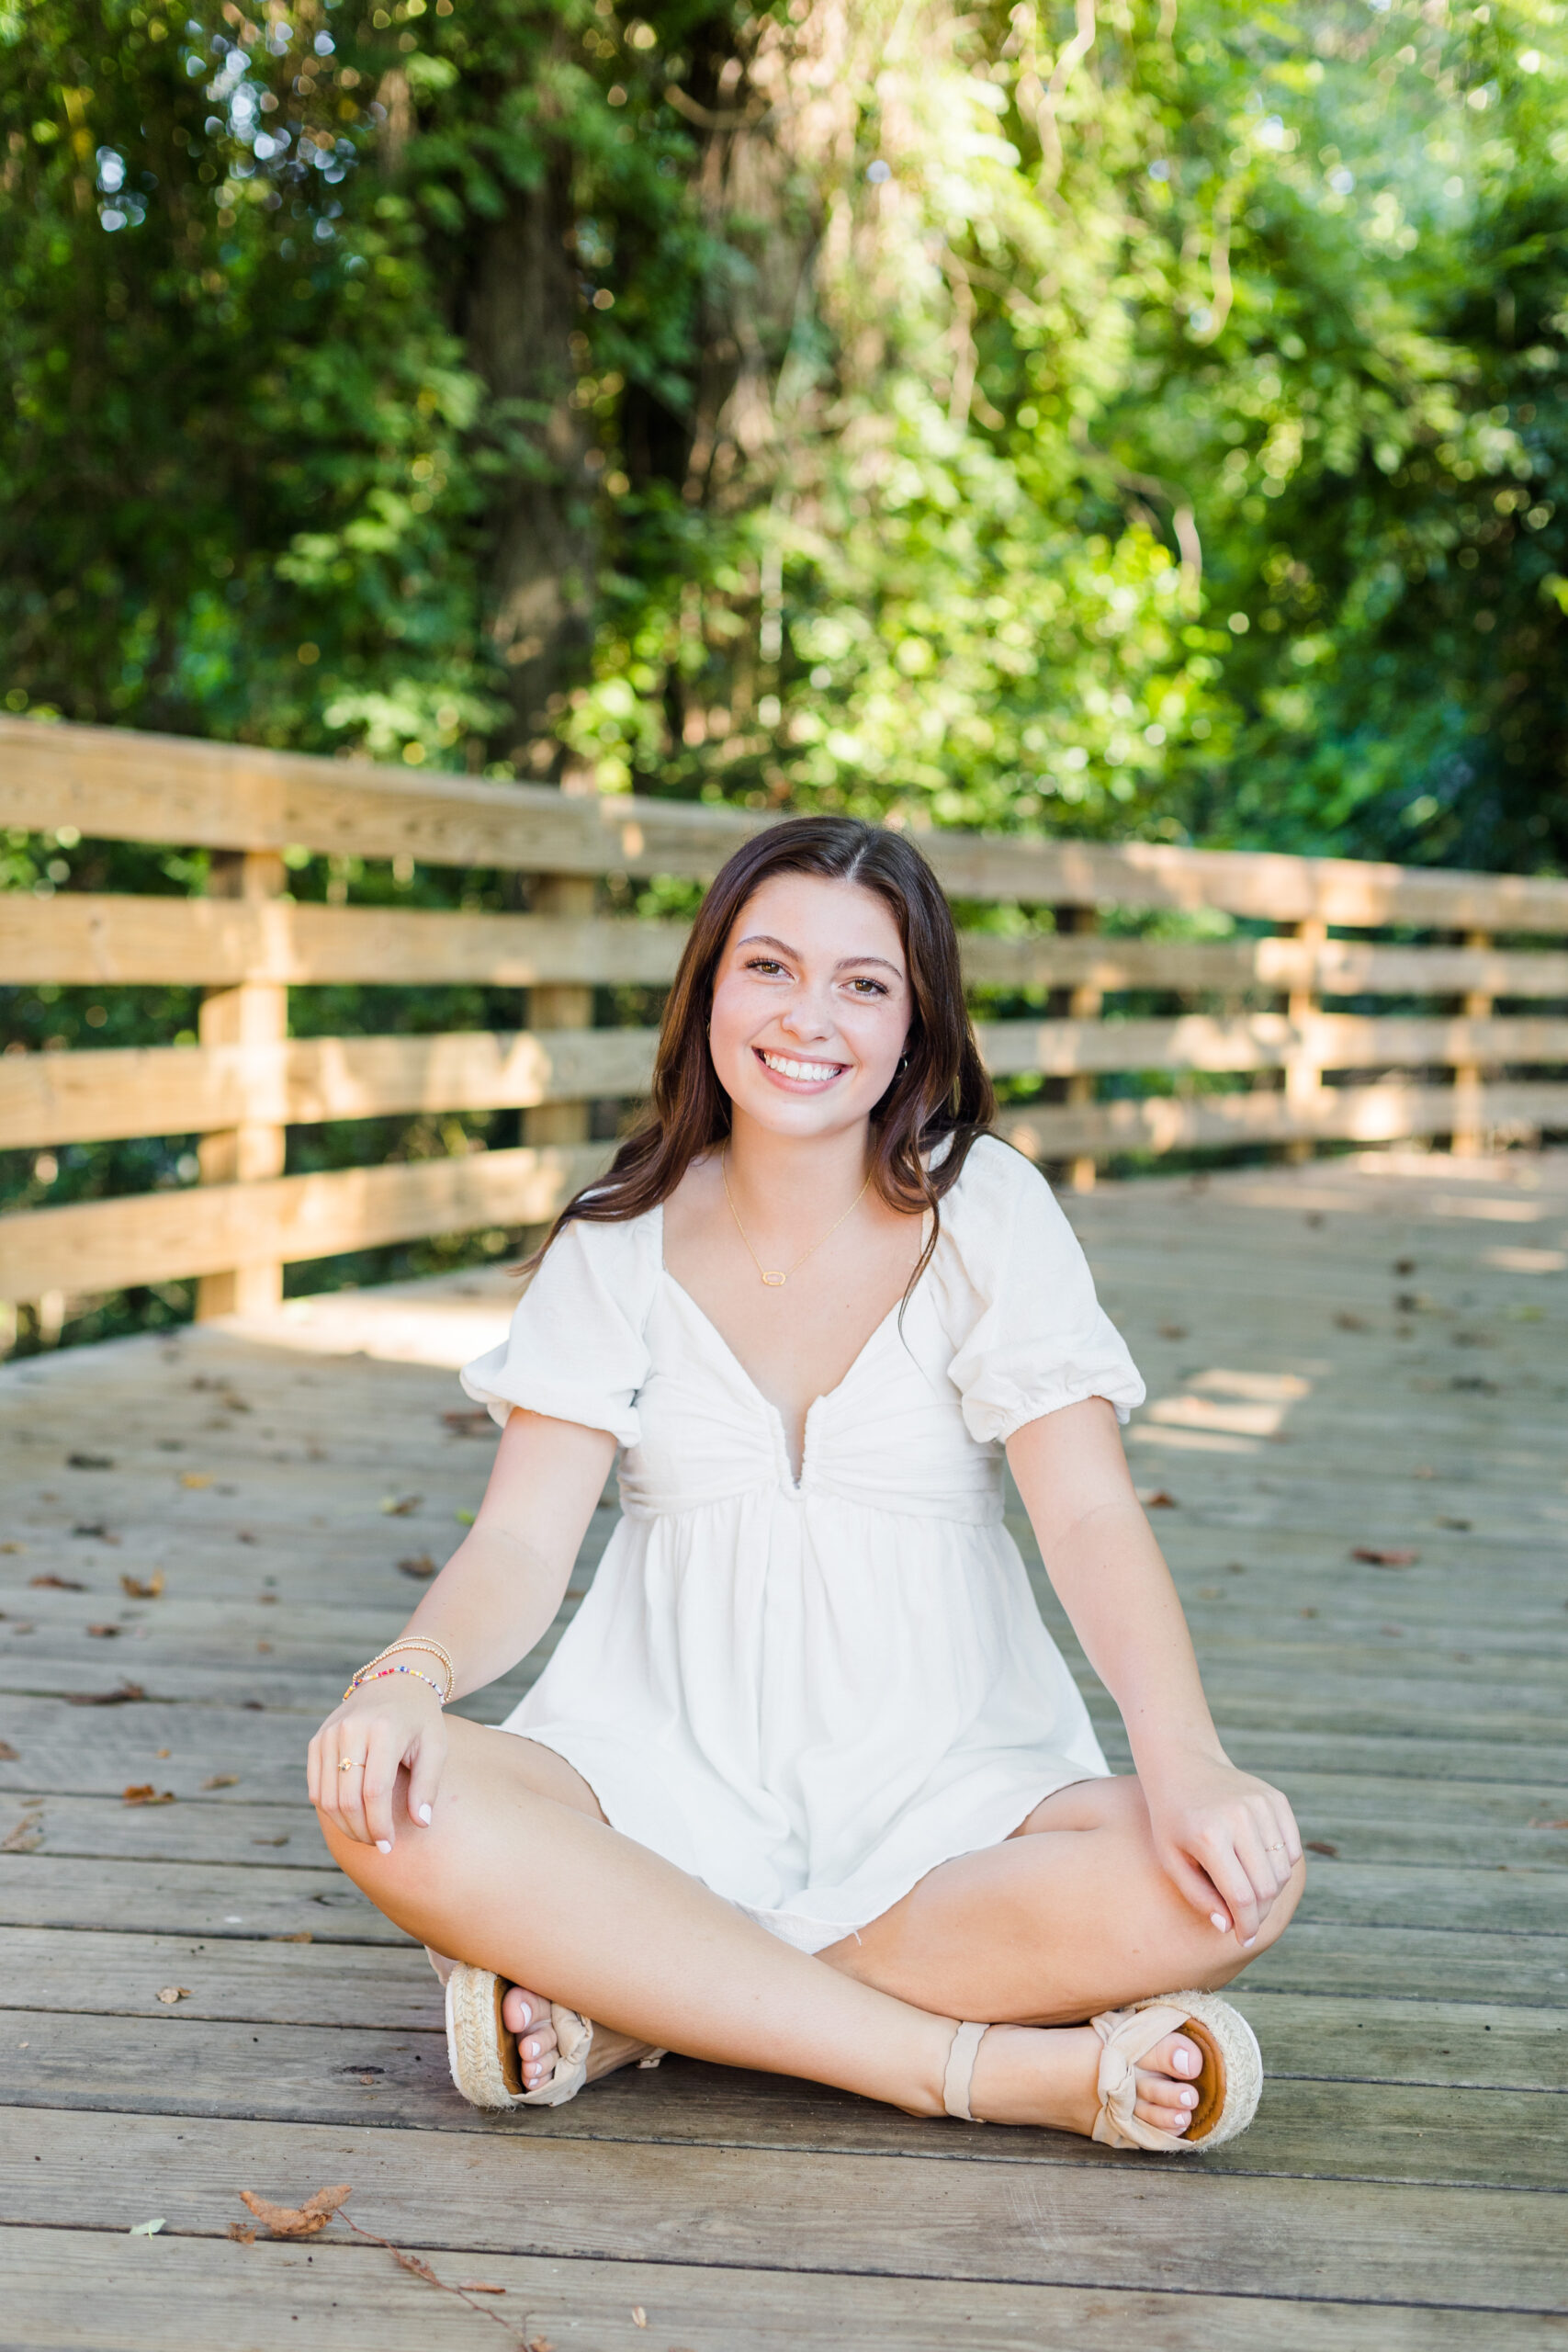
(772, 1279)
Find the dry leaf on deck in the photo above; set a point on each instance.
(105, 1632)
(57, 1584)
(134, 1589)
(1157, 1499)
(540, 2344)
(195, 1478)
(1320, 1846)
(400, 1506)
(147, 2229)
(221, 1781)
(143, 1793)
(477, 2286)
(423, 1566)
(9, 1754)
(123, 1697)
(1379, 1557)
(412, 2262)
(301, 1936)
(242, 2233)
(170, 1993)
(25, 1839)
(640, 2317)
(88, 1462)
(97, 1527)
(297, 2221)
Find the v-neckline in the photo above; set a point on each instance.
(760, 1395)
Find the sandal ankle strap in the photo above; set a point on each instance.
(961, 2070)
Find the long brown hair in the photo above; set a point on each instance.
(938, 1093)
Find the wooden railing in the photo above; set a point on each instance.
(1456, 1067)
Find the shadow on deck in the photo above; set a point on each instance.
(1355, 1438)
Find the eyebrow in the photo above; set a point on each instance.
(765, 939)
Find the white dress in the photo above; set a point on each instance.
(807, 1695)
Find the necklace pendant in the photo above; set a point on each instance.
(774, 1281)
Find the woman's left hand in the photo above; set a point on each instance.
(1228, 1840)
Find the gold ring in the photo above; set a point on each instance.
(350, 1764)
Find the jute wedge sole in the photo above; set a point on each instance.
(483, 2055)
(1228, 2085)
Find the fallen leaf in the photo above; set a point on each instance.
(195, 1478)
(1173, 1330)
(412, 2262)
(25, 1839)
(465, 1518)
(88, 1462)
(147, 2229)
(640, 2317)
(105, 1632)
(1377, 1557)
(263, 1649)
(170, 1993)
(1549, 1825)
(271, 1841)
(143, 1793)
(400, 1506)
(124, 1697)
(477, 2286)
(1319, 1846)
(136, 1590)
(13, 1547)
(162, 1753)
(301, 1936)
(221, 1781)
(1157, 1499)
(297, 2221)
(539, 2343)
(9, 1754)
(242, 2233)
(56, 1584)
(422, 1567)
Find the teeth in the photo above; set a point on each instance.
(808, 1071)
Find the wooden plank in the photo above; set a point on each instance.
(113, 784)
(1263, 1040)
(1116, 2221)
(188, 1899)
(1323, 2037)
(86, 939)
(162, 2064)
(159, 1237)
(1377, 1114)
(173, 2293)
(91, 1097)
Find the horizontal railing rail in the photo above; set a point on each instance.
(1453, 1046)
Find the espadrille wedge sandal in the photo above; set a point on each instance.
(483, 2055)
(1228, 2085)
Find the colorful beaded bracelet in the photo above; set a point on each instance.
(365, 1676)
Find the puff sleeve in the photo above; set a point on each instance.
(1030, 1334)
(576, 1350)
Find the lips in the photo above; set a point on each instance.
(803, 1072)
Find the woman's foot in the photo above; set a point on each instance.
(528, 2015)
(1050, 2075)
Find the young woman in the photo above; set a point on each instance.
(806, 1785)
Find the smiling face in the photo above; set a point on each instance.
(811, 1005)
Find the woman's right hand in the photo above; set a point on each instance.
(355, 1760)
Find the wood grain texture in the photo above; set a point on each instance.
(1106, 2218)
(115, 784)
(159, 1237)
(173, 2293)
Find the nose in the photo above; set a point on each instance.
(807, 1015)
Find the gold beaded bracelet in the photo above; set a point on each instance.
(365, 1675)
(419, 1641)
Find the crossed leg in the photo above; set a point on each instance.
(520, 1873)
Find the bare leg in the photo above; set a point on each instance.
(1071, 1915)
(545, 1895)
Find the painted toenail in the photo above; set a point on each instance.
(530, 2050)
(1186, 2062)
(1189, 2098)
(527, 2013)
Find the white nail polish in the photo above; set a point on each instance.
(424, 1815)
(383, 1845)
(1218, 1919)
(1249, 1944)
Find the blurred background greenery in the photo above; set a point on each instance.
(1134, 418)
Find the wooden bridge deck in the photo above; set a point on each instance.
(1358, 1355)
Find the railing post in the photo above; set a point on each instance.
(567, 1006)
(1468, 1138)
(255, 1013)
(1077, 1004)
(1304, 1071)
